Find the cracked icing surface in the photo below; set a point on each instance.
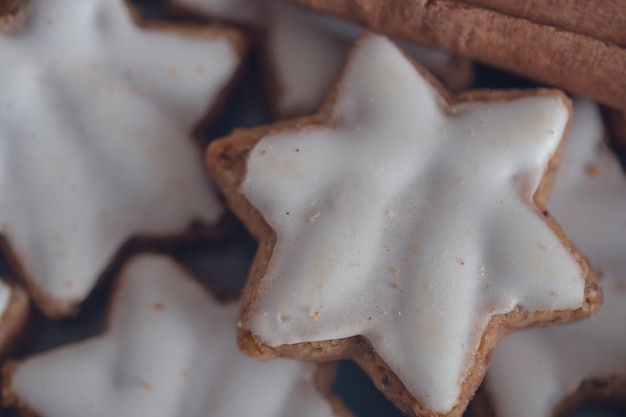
(95, 142)
(171, 350)
(533, 371)
(407, 225)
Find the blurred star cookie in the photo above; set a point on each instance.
(97, 110)
(543, 372)
(304, 50)
(169, 350)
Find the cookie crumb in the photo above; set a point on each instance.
(140, 92)
(462, 262)
(314, 314)
(147, 386)
(179, 183)
(158, 306)
(556, 294)
(314, 217)
(394, 285)
(592, 170)
(391, 214)
(396, 271)
(284, 317)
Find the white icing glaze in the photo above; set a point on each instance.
(5, 297)
(171, 350)
(245, 11)
(96, 137)
(306, 53)
(408, 226)
(532, 371)
(307, 49)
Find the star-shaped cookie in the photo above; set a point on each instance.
(96, 113)
(304, 50)
(170, 350)
(536, 372)
(399, 218)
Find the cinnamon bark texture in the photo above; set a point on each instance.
(603, 20)
(514, 37)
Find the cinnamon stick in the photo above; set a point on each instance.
(603, 20)
(576, 62)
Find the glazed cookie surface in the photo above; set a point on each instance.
(169, 350)
(540, 371)
(98, 108)
(305, 50)
(411, 222)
